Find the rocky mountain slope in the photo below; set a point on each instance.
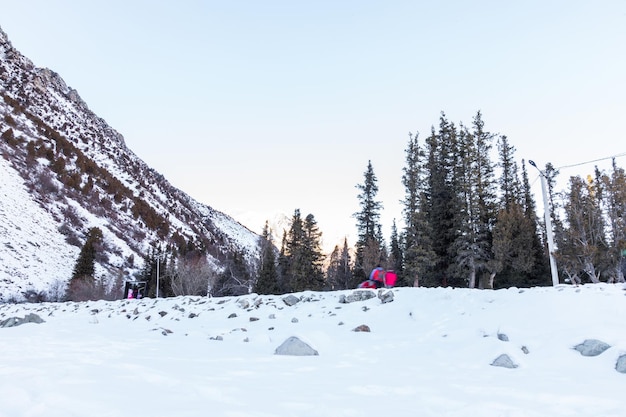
(65, 170)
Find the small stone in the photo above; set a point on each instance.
(361, 328)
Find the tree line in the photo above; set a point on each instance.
(469, 220)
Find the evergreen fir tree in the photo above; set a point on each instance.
(267, 281)
(313, 255)
(302, 256)
(418, 255)
(82, 285)
(516, 246)
(332, 272)
(85, 264)
(475, 179)
(345, 278)
(368, 245)
(293, 252)
(283, 265)
(540, 274)
(395, 261)
(514, 253)
(441, 203)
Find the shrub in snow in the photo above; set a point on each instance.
(591, 347)
(504, 361)
(295, 347)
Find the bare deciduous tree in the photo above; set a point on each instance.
(192, 276)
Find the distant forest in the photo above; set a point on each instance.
(469, 221)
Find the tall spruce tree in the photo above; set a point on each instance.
(85, 264)
(339, 272)
(540, 274)
(395, 260)
(332, 271)
(369, 247)
(345, 277)
(267, 281)
(516, 246)
(442, 203)
(82, 285)
(313, 253)
(283, 264)
(418, 254)
(476, 186)
(303, 254)
(293, 254)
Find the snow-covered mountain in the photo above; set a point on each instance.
(64, 170)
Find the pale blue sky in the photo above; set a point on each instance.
(261, 107)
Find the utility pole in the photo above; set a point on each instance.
(548, 220)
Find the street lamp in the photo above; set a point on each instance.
(158, 261)
(548, 219)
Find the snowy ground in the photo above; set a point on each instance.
(429, 353)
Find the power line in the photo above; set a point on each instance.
(590, 162)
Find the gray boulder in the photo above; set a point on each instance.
(620, 366)
(295, 347)
(358, 295)
(385, 296)
(592, 347)
(291, 300)
(17, 321)
(504, 361)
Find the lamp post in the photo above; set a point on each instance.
(158, 261)
(548, 220)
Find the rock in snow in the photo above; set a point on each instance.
(592, 347)
(620, 366)
(295, 347)
(16, 321)
(504, 361)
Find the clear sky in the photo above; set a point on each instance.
(258, 108)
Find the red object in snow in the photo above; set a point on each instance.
(368, 284)
(380, 278)
(390, 278)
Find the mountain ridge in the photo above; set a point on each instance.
(78, 169)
